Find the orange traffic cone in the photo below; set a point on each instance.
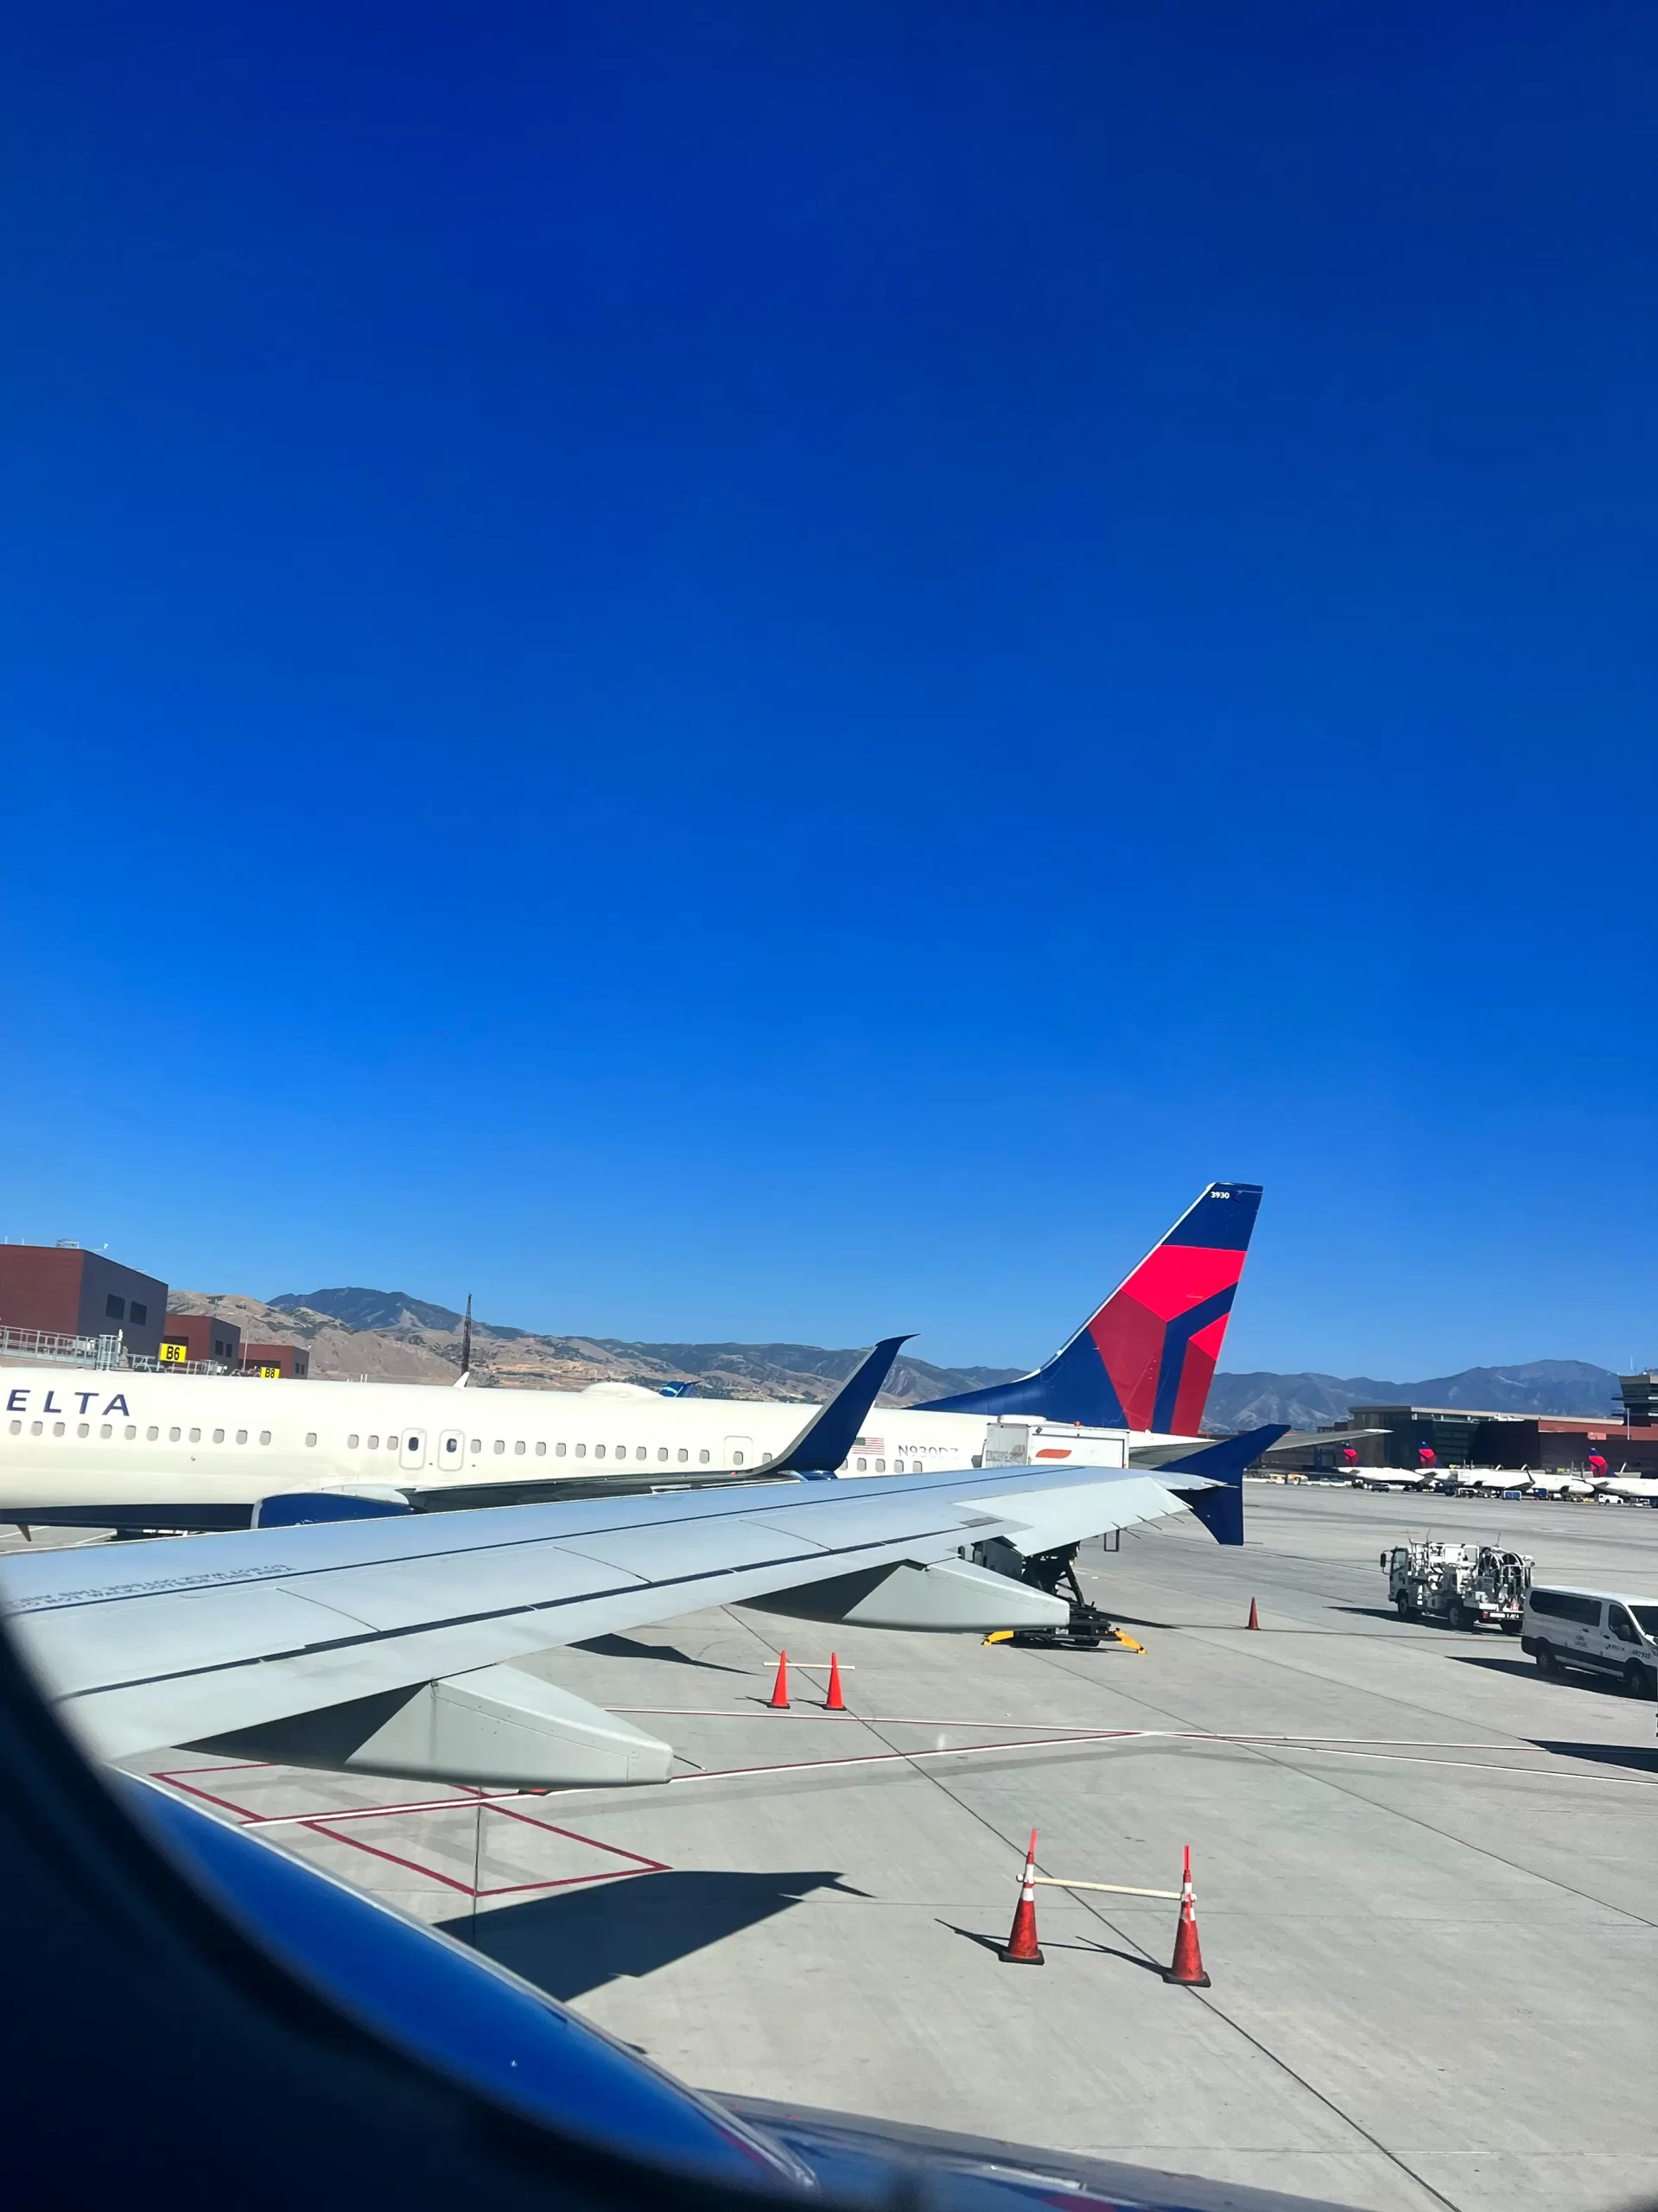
(780, 1687)
(1254, 1620)
(1187, 1969)
(835, 1702)
(1021, 1950)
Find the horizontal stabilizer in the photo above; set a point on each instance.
(1211, 1478)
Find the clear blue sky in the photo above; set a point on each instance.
(736, 671)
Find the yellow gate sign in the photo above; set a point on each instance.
(269, 1373)
(173, 1354)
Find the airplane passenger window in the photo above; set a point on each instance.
(37, 1428)
(736, 1458)
(218, 1436)
(598, 1450)
(265, 1436)
(310, 1438)
(540, 1450)
(863, 1466)
(702, 1458)
(241, 1436)
(374, 1443)
(351, 1444)
(500, 1445)
(681, 1455)
(195, 1436)
(881, 1466)
(57, 1428)
(477, 1443)
(662, 1451)
(131, 1431)
(639, 1452)
(559, 1450)
(580, 1451)
(172, 1436)
(17, 1428)
(518, 1448)
(150, 1434)
(85, 1429)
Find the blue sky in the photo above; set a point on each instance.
(776, 673)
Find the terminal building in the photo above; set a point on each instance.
(1464, 1436)
(274, 1360)
(61, 1302)
(198, 1340)
(64, 1291)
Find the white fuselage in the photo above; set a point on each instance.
(78, 1437)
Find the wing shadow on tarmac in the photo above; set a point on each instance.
(1636, 1755)
(580, 1940)
(624, 1647)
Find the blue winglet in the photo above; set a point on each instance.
(824, 1444)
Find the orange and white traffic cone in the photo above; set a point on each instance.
(1254, 1620)
(1187, 1969)
(1021, 1949)
(835, 1702)
(779, 1701)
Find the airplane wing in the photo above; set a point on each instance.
(386, 1643)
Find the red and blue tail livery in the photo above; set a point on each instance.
(1145, 1360)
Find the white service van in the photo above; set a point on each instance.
(1604, 1631)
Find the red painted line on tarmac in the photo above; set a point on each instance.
(392, 1858)
(618, 1851)
(322, 1824)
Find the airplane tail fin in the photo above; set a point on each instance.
(1144, 1360)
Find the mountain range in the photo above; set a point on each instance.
(391, 1336)
(1313, 1400)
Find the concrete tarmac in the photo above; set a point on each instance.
(1426, 1883)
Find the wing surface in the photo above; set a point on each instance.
(196, 1636)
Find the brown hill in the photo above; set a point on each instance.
(414, 1349)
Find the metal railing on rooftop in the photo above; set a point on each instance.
(53, 1344)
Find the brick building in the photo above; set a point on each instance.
(274, 1360)
(201, 1337)
(79, 1293)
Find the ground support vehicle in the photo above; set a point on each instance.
(1088, 1627)
(1467, 1586)
(1606, 1633)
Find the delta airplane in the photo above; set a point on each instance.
(146, 1451)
